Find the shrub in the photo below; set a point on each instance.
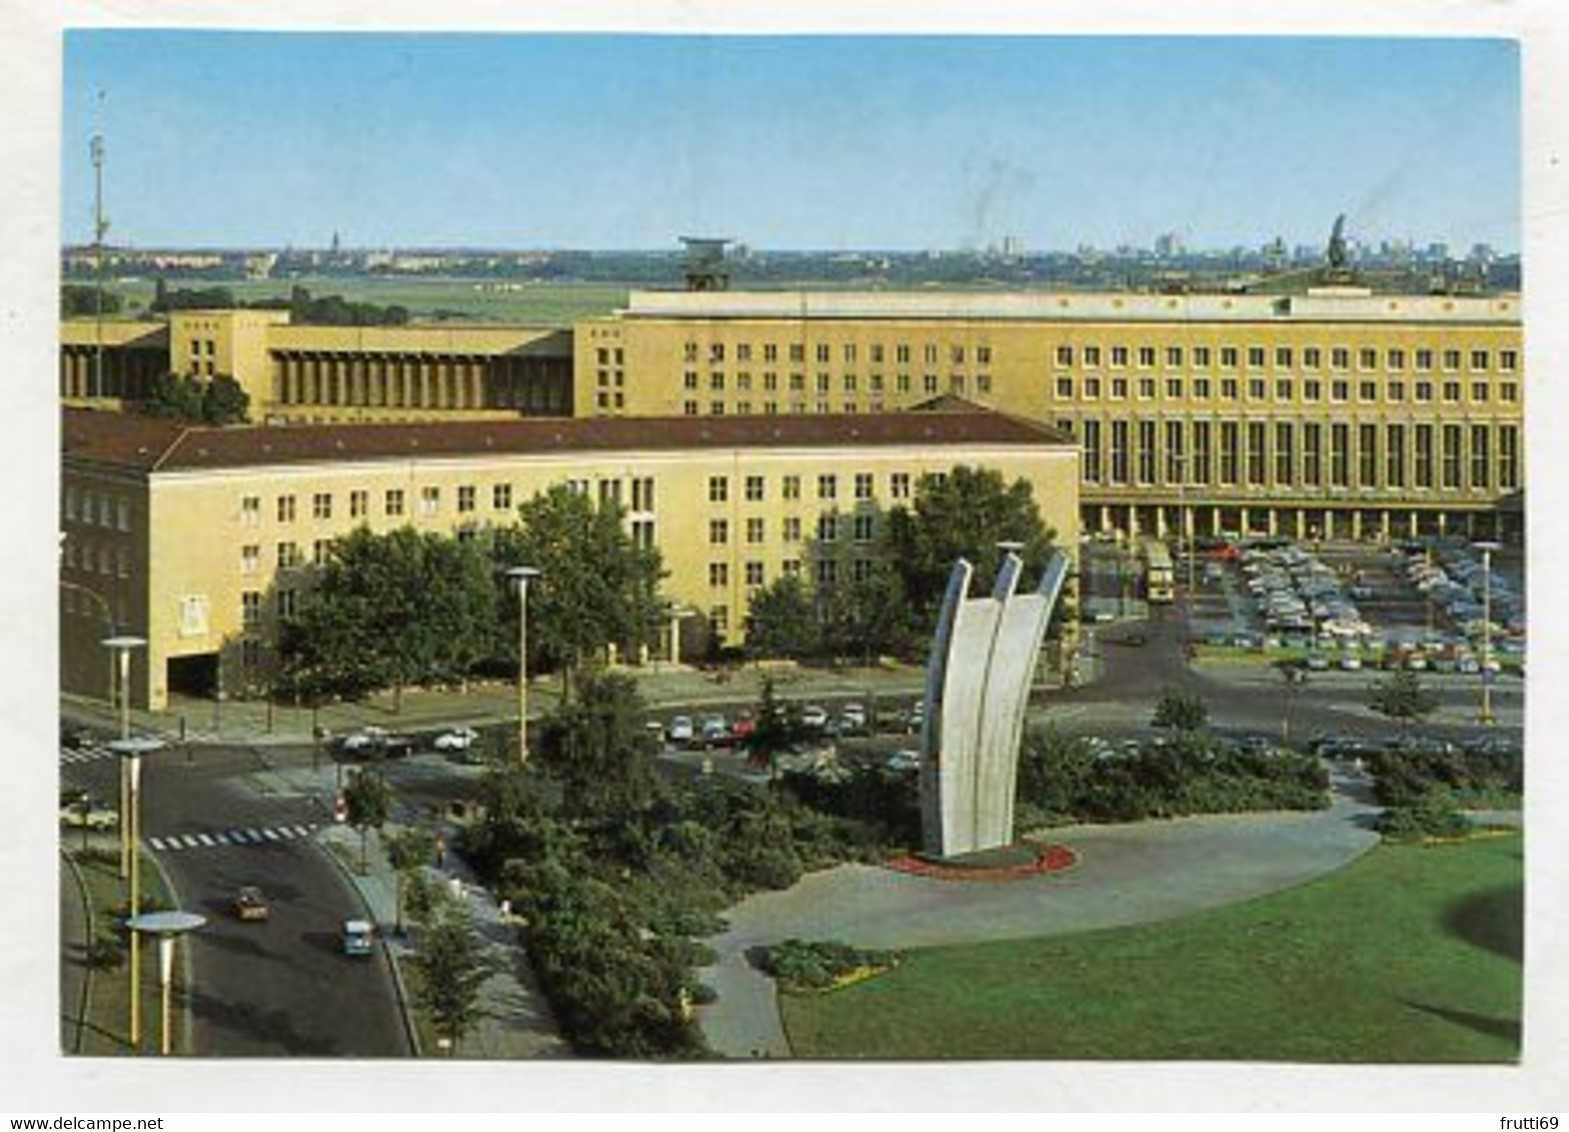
(801, 966)
(1431, 815)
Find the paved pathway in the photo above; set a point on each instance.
(1128, 874)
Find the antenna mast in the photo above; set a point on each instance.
(100, 229)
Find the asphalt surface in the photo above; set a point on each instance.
(259, 989)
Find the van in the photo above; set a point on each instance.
(358, 937)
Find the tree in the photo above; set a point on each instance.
(1181, 710)
(598, 748)
(224, 401)
(597, 586)
(1401, 697)
(219, 400)
(782, 620)
(78, 300)
(453, 969)
(864, 615)
(964, 514)
(368, 800)
(777, 731)
(390, 611)
(408, 851)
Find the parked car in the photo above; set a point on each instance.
(905, 760)
(250, 903)
(397, 746)
(743, 728)
(357, 937)
(656, 731)
(456, 739)
(680, 732)
(716, 731)
(364, 741)
(76, 816)
(815, 717)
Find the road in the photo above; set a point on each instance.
(273, 989)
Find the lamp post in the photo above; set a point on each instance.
(1487, 549)
(168, 927)
(131, 751)
(523, 575)
(120, 650)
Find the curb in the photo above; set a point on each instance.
(411, 1030)
(87, 967)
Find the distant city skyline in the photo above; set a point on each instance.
(826, 143)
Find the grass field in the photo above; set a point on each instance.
(551, 304)
(1411, 954)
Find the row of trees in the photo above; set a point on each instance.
(216, 400)
(303, 307)
(889, 604)
(408, 608)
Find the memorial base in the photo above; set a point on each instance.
(1018, 861)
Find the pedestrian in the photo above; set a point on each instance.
(506, 911)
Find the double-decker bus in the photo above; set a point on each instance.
(1159, 576)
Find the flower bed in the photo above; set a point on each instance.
(1047, 859)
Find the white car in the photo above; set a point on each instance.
(365, 739)
(904, 760)
(456, 739)
(680, 731)
(75, 817)
(814, 716)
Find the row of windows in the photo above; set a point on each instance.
(111, 562)
(755, 488)
(755, 573)
(1311, 454)
(1117, 356)
(97, 509)
(824, 382)
(395, 500)
(1393, 358)
(862, 528)
(849, 353)
(1308, 390)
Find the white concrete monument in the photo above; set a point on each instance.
(977, 689)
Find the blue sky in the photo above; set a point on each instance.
(607, 141)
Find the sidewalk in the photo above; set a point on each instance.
(257, 723)
(515, 1020)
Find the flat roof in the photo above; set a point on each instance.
(1330, 304)
(132, 441)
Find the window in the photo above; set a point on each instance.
(718, 574)
(1285, 454)
(719, 619)
(863, 485)
(1451, 437)
(1395, 358)
(501, 497)
(1174, 388)
(1424, 359)
(643, 534)
(1423, 464)
(122, 514)
(827, 572)
(1282, 357)
(1481, 461)
(1146, 388)
(770, 352)
(1509, 392)
(689, 352)
(1367, 391)
(824, 354)
(1174, 356)
(1256, 357)
(1508, 360)
(754, 489)
(1065, 355)
(754, 573)
(718, 489)
(1228, 357)
(1065, 388)
(1146, 356)
(1201, 388)
(1256, 388)
(718, 532)
(320, 550)
(716, 352)
(285, 508)
(1395, 391)
(1092, 451)
(288, 555)
(1091, 387)
(1092, 355)
(1424, 391)
(792, 529)
(1312, 357)
(1201, 357)
(1312, 390)
(864, 526)
(250, 608)
(899, 485)
(828, 486)
(754, 530)
(286, 604)
(791, 488)
(1228, 389)
(1146, 457)
(716, 382)
(1451, 359)
(430, 501)
(1119, 356)
(1256, 455)
(321, 505)
(1478, 359)
(1395, 455)
(689, 408)
(1339, 358)
(359, 504)
(250, 558)
(1283, 389)
(1312, 454)
(1119, 388)
(1451, 392)
(1339, 455)
(394, 501)
(1367, 358)
(1230, 451)
(689, 381)
(465, 498)
(1479, 391)
(1339, 390)
(827, 528)
(1119, 451)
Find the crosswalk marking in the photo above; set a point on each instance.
(84, 754)
(235, 838)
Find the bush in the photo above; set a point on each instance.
(1432, 815)
(802, 966)
(105, 953)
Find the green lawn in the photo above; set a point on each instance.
(1412, 954)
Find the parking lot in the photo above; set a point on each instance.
(1415, 605)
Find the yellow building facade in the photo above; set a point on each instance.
(204, 540)
(326, 374)
(1337, 413)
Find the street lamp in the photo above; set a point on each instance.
(167, 926)
(120, 650)
(131, 751)
(1487, 549)
(523, 575)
